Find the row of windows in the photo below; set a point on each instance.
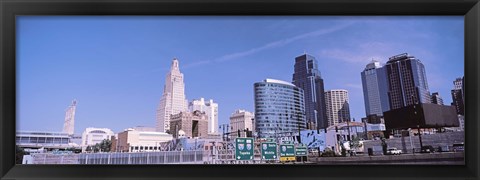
(42, 140)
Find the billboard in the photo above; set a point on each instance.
(313, 139)
(423, 115)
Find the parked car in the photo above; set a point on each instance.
(458, 147)
(443, 149)
(394, 151)
(427, 149)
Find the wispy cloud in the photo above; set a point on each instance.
(362, 53)
(274, 44)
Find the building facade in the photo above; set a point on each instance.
(241, 120)
(173, 98)
(407, 81)
(338, 109)
(47, 140)
(437, 99)
(375, 85)
(92, 136)
(457, 96)
(137, 140)
(307, 77)
(210, 108)
(193, 124)
(69, 124)
(279, 108)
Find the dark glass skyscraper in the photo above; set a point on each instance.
(307, 77)
(407, 81)
(374, 83)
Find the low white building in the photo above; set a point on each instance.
(139, 140)
(92, 136)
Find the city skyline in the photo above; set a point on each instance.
(118, 79)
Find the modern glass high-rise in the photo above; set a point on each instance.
(69, 124)
(338, 108)
(279, 108)
(307, 77)
(407, 81)
(173, 98)
(375, 85)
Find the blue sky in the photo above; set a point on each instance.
(115, 66)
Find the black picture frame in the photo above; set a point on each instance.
(11, 8)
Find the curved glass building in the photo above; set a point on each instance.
(279, 108)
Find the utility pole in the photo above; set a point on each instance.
(415, 103)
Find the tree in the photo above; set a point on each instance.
(355, 143)
(384, 145)
(104, 146)
(19, 152)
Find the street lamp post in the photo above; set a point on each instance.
(415, 103)
(411, 143)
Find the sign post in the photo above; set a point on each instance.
(301, 151)
(244, 149)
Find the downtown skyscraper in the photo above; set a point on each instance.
(307, 77)
(279, 108)
(407, 81)
(69, 124)
(458, 95)
(173, 99)
(375, 85)
(338, 108)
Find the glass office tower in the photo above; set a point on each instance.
(375, 85)
(407, 81)
(307, 77)
(279, 108)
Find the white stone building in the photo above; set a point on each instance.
(137, 140)
(173, 99)
(210, 108)
(92, 136)
(241, 120)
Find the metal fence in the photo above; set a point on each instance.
(165, 157)
(48, 158)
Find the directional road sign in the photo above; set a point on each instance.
(269, 150)
(301, 151)
(244, 148)
(287, 152)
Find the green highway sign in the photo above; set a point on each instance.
(301, 151)
(287, 150)
(269, 151)
(244, 148)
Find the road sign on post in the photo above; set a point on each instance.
(287, 152)
(244, 148)
(301, 151)
(269, 151)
